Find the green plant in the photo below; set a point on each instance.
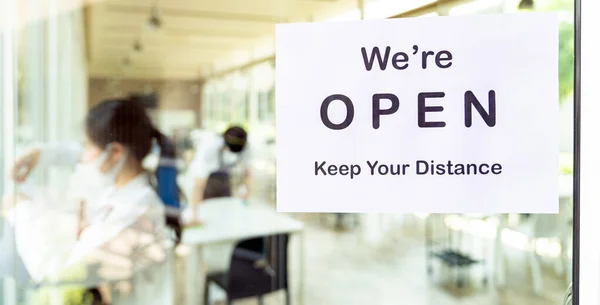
(566, 58)
(69, 295)
(566, 43)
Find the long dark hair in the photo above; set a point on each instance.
(122, 121)
(126, 121)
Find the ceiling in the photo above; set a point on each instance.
(194, 34)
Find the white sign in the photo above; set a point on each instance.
(434, 115)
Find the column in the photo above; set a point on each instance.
(8, 11)
(253, 97)
(361, 9)
(33, 70)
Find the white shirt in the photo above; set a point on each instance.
(130, 231)
(208, 153)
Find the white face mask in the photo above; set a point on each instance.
(89, 180)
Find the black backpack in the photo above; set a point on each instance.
(218, 183)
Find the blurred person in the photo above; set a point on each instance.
(220, 168)
(120, 208)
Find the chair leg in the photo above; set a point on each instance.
(536, 273)
(261, 301)
(560, 266)
(499, 258)
(339, 218)
(287, 297)
(206, 292)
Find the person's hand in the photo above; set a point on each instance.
(194, 219)
(24, 165)
(194, 222)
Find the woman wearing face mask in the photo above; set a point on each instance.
(120, 210)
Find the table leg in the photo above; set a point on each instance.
(301, 271)
(428, 246)
(339, 219)
(536, 272)
(499, 267)
(192, 271)
(203, 273)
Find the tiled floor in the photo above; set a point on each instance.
(342, 269)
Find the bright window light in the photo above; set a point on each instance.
(511, 6)
(516, 240)
(433, 14)
(379, 9)
(346, 16)
(477, 6)
(7, 83)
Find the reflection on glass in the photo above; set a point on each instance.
(263, 104)
(350, 259)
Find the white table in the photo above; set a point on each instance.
(229, 220)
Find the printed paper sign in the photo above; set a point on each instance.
(434, 115)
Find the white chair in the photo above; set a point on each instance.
(569, 296)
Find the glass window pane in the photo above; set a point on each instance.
(65, 58)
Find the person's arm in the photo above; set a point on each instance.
(198, 172)
(246, 158)
(121, 231)
(205, 161)
(60, 154)
(246, 183)
(197, 192)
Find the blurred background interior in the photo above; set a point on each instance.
(203, 65)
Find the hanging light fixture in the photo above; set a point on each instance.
(526, 5)
(154, 22)
(137, 46)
